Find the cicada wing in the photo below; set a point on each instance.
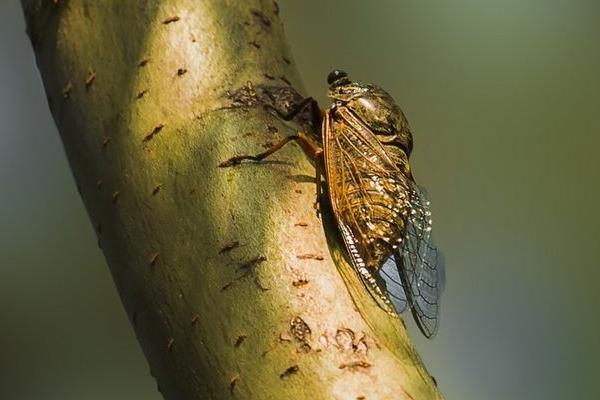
(385, 220)
(390, 274)
(374, 283)
(367, 195)
(421, 264)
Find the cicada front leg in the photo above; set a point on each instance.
(311, 146)
(313, 150)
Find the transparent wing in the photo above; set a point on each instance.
(421, 264)
(390, 274)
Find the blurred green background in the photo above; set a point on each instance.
(504, 101)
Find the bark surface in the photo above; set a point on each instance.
(226, 274)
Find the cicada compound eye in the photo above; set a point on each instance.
(336, 75)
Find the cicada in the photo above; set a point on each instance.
(382, 215)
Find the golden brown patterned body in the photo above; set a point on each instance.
(367, 180)
(382, 214)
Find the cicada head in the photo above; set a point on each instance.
(374, 106)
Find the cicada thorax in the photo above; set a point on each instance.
(368, 144)
(380, 113)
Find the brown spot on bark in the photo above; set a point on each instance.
(90, 78)
(344, 338)
(298, 191)
(289, 372)
(240, 340)
(310, 256)
(285, 80)
(347, 340)
(270, 77)
(299, 329)
(170, 344)
(153, 132)
(301, 223)
(143, 62)
(255, 44)
(305, 348)
(67, 90)
(300, 282)
(169, 20)
(286, 60)
(355, 365)
(247, 268)
(153, 259)
(233, 382)
(181, 71)
(156, 190)
(301, 332)
(229, 246)
(262, 18)
(361, 346)
(141, 94)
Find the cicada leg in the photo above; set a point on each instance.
(309, 146)
(312, 149)
(309, 143)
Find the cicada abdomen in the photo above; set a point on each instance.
(382, 214)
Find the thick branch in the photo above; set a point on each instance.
(226, 274)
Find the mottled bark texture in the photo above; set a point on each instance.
(225, 273)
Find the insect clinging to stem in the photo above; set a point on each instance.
(382, 215)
